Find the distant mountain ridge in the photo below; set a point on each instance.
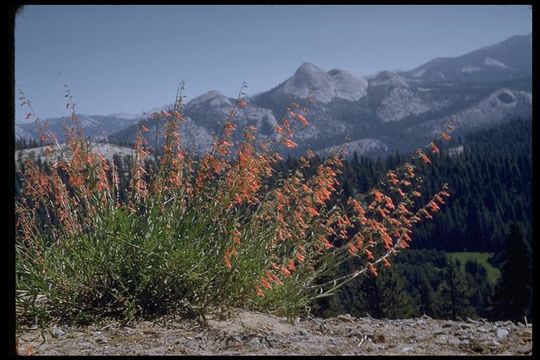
(390, 111)
(509, 59)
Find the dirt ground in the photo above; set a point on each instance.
(253, 333)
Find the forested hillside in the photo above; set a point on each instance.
(489, 176)
(490, 180)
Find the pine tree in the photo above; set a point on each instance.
(396, 302)
(513, 295)
(453, 293)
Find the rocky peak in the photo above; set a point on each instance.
(387, 78)
(348, 86)
(309, 76)
(211, 98)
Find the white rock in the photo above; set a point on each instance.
(407, 349)
(502, 333)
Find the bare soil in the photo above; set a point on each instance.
(254, 333)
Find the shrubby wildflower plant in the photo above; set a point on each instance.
(200, 234)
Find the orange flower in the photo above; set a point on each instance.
(289, 143)
(276, 279)
(386, 263)
(378, 195)
(302, 119)
(356, 206)
(291, 266)
(286, 123)
(373, 270)
(426, 214)
(439, 199)
(445, 136)
(265, 283)
(387, 240)
(236, 236)
(424, 158)
(285, 271)
(369, 254)
(402, 209)
(242, 104)
(227, 258)
(259, 291)
(352, 249)
(416, 193)
(300, 257)
(312, 211)
(359, 240)
(326, 244)
(389, 203)
(434, 206)
(434, 148)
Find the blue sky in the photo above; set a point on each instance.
(126, 59)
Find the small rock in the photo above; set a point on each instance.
(234, 339)
(255, 342)
(524, 349)
(407, 349)
(502, 333)
(57, 332)
(443, 339)
(377, 338)
(476, 346)
(495, 343)
(334, 350)
(345, 317)
(301, 332)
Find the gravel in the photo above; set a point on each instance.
(254, 333)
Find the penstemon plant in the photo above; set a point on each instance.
(200, 234)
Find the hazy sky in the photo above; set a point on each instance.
(130, 58)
